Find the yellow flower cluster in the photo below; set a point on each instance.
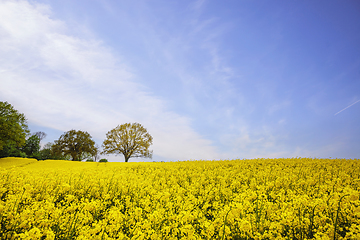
(295, 198)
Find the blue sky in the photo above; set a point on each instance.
(208, 79)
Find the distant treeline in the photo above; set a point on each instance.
(130, 139)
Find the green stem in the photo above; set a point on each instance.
(223, 236)
(337, 214)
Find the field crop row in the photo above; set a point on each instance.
(295, 198)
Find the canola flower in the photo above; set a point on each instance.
(295, 198)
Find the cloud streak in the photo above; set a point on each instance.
(347, 107)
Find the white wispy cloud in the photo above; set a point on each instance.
(346, 107)
(207, 90)
(198, 4)
(63, 81)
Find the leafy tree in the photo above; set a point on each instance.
(10, 149)
(32, 146)
(77, 144)
(131, 140)
(13, 127)
(47, 153)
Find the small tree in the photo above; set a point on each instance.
(32, 146)
(47, 152)
(131, 140)
(77, 144)
(96, 153)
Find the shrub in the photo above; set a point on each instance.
(89, 160)
(103, 160)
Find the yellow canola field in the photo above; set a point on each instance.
(12, 162)
(295, 198)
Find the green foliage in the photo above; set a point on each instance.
(32, 146)
(77, 144)
(13, 129)
(47, 153)
(89, 160)
(10, 150)
(131, 140)
(103, 160)
(23, 155)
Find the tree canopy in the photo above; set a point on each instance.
(77, 144)
(32, 146)
(131, 140)
(13, 127)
